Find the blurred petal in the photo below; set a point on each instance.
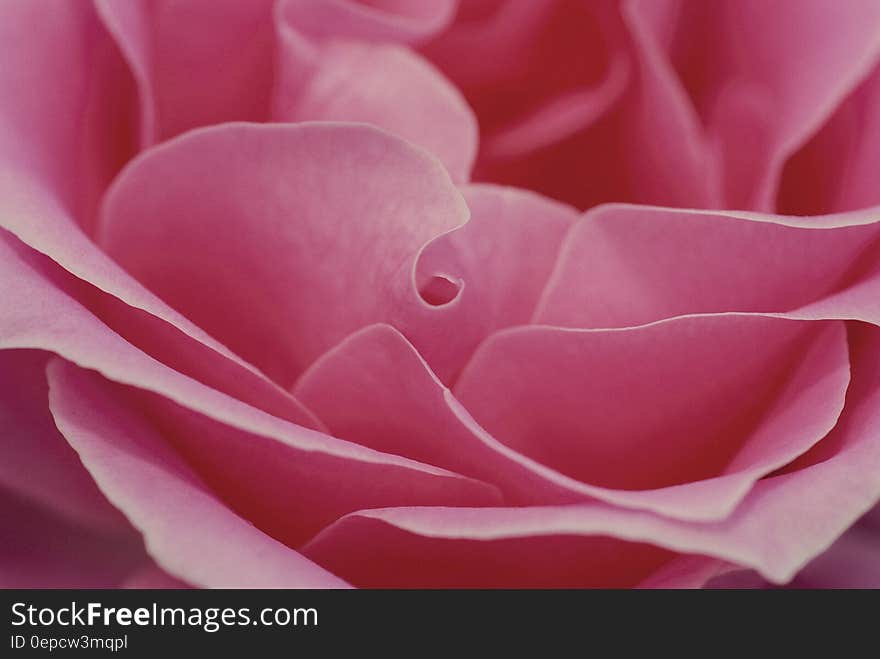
(387, 86)
(851, 562)
(69, 116)
(128, 24)
(663, 154)
(763, 77)
(35, 462)
(515, 61)
(152, 577)
(196, 62)
(41, 549)
(685, 572)
(403, 21)
(538, 74)
(836, 171)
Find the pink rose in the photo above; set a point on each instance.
(268, 319)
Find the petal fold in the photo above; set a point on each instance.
(189, 532)
(312, 231)
(628, 265)
(384, 85)
(680, 417)
(783, 523)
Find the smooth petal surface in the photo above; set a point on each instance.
(387, 556)
(836, 170)
(35, 462)
(37, 315)
(69, 115)
(628, 265)
(637, 137)
(192, 76)
(129, 309)
(375, 389)
(759, 103)
(403, 21)
(685, 414)
(685, 572)
(537, 75)
(534, 72)
(187, 530)
(659, 149)
(851, 562)
(384, 85)
(34, 213)
(673, 102)
(291, 494)
(151, 576)
(128, 23)
(42, 549)
(784, 522)
(317, 354)
(486, 275)
(312, 231)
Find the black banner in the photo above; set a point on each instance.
(143, 622)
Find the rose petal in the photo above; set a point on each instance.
(36, 314)
(743, 145)
(313, 230)
(871, 519)
(375, 389)
(661, 142)
(31, 209)
(153, 327)
(561, 117)
(374, 554)
(535, 73)
(685, 572)
(41, 549)
(646, 145)
(684, 416)
(69, 111)
(152, 577)
(540, 76)
(128, 23)
(851, 562)
(292, 494)
(627, 265)
(404, 21)
(500, 261)
(387, 86)
(799, 61)
(37, 464)
(738, 580)
(783, 523)
(187, 530)
(197, 62)
(836, 170)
